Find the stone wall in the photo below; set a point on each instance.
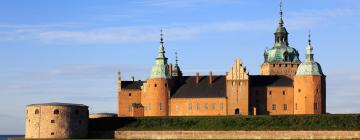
(237, 134)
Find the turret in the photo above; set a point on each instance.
(176, 72)
(156, 93)
(309, 86)
(281, 59)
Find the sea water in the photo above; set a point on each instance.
(6, 137)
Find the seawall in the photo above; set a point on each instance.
(237, 135)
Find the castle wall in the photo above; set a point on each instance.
(286, 69)
(310, 95)
(155, 97)
(126, 97)
(42, 121)
(198, 106)
(272, 100)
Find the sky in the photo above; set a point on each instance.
(70, 51)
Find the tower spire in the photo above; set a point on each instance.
(161, 36)
(309, 50)
(160, 70)
(281, 35)
(281, 22)
(176, 59)
(161, 48)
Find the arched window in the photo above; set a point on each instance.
(56, 111)
(37, 111)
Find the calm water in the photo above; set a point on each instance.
(5, 137)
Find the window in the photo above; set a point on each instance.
(214, 106)
(274, 107)
(286, 65)
(198, 107)
(56, 111)
(129, 108)
(315, 106)
(37, 111)
(52, 133)
(296, 106)
(221, 106)
(176, 108)
(77, 112)
(285, 107)
(161, 106)
(189, 106)
(284, 92)
(165, 85)
(52, 121)
(129, 94)
(206, 106)
(270, 92)
(155, 85)
(317, 90)
(279, 65)
(299, 90)
(273, 65)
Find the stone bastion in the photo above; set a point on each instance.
(56, 121)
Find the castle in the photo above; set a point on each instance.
(285, 86)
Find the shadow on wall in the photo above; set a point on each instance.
(105, 127)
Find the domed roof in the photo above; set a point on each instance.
(282, 54)
(310, 66)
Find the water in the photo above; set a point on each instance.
(5, 137)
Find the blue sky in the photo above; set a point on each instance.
(70, 51)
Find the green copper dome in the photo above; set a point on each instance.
(161, 68)
(309, 67)
(281, 52)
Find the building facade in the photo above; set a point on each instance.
(285, 86)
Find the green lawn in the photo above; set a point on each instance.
(302, 122)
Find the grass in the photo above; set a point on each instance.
(225, 123)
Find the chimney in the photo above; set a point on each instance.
(133, 78)
(197, 78)
(170, 69)
(210, 78)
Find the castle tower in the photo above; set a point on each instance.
(237, 89)
(176, 72)
(309, 86)
(156, 92)
(280, 59)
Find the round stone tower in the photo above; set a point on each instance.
(309, 86)
(56, 121)
(156, 92)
